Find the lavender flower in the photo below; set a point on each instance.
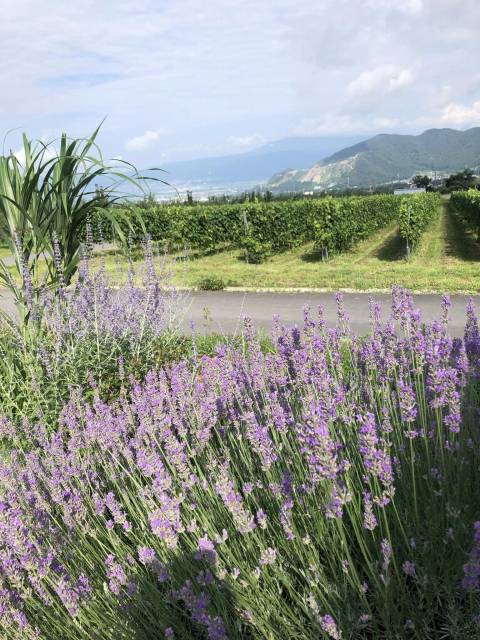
(146, 555)
(234, 503)
(409, 569)
(407, 401)
(260, 440)
(369, 519)
(165, 521)
(268, 556)
(329, 625)
(376, 458)
(471, 570)
(386, 549)
(115, 574)
(206, 550)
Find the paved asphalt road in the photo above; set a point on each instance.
(221, 311)
(226, 308)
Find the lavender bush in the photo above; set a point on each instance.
(97, 328)
(329, 489)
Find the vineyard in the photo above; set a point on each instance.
(268, 228)
(467, 205)
(360, 243)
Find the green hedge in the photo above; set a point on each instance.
(467, 205)
(339, 223)
(265, 228)
(416, 213)
(177, 226)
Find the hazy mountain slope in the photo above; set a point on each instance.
(386, 157)
(258, 164)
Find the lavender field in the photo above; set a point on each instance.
(239, 320)
(312, 484)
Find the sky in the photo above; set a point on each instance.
(181, 79)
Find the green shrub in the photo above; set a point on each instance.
(416, 213)
(255, 251)
(211, 283)
(467, 205)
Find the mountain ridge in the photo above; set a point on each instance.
(388, 157)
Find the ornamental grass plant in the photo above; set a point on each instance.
(48, 196)
(325, 488)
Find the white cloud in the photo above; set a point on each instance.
(402, 79)
(411, 6)
(459, 115)
(382, 123)
(331, 123)
(380, 80)
(146, 141)
(48, 154)
(407, 6)
(246, 141)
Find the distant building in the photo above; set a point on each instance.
(408, 190)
